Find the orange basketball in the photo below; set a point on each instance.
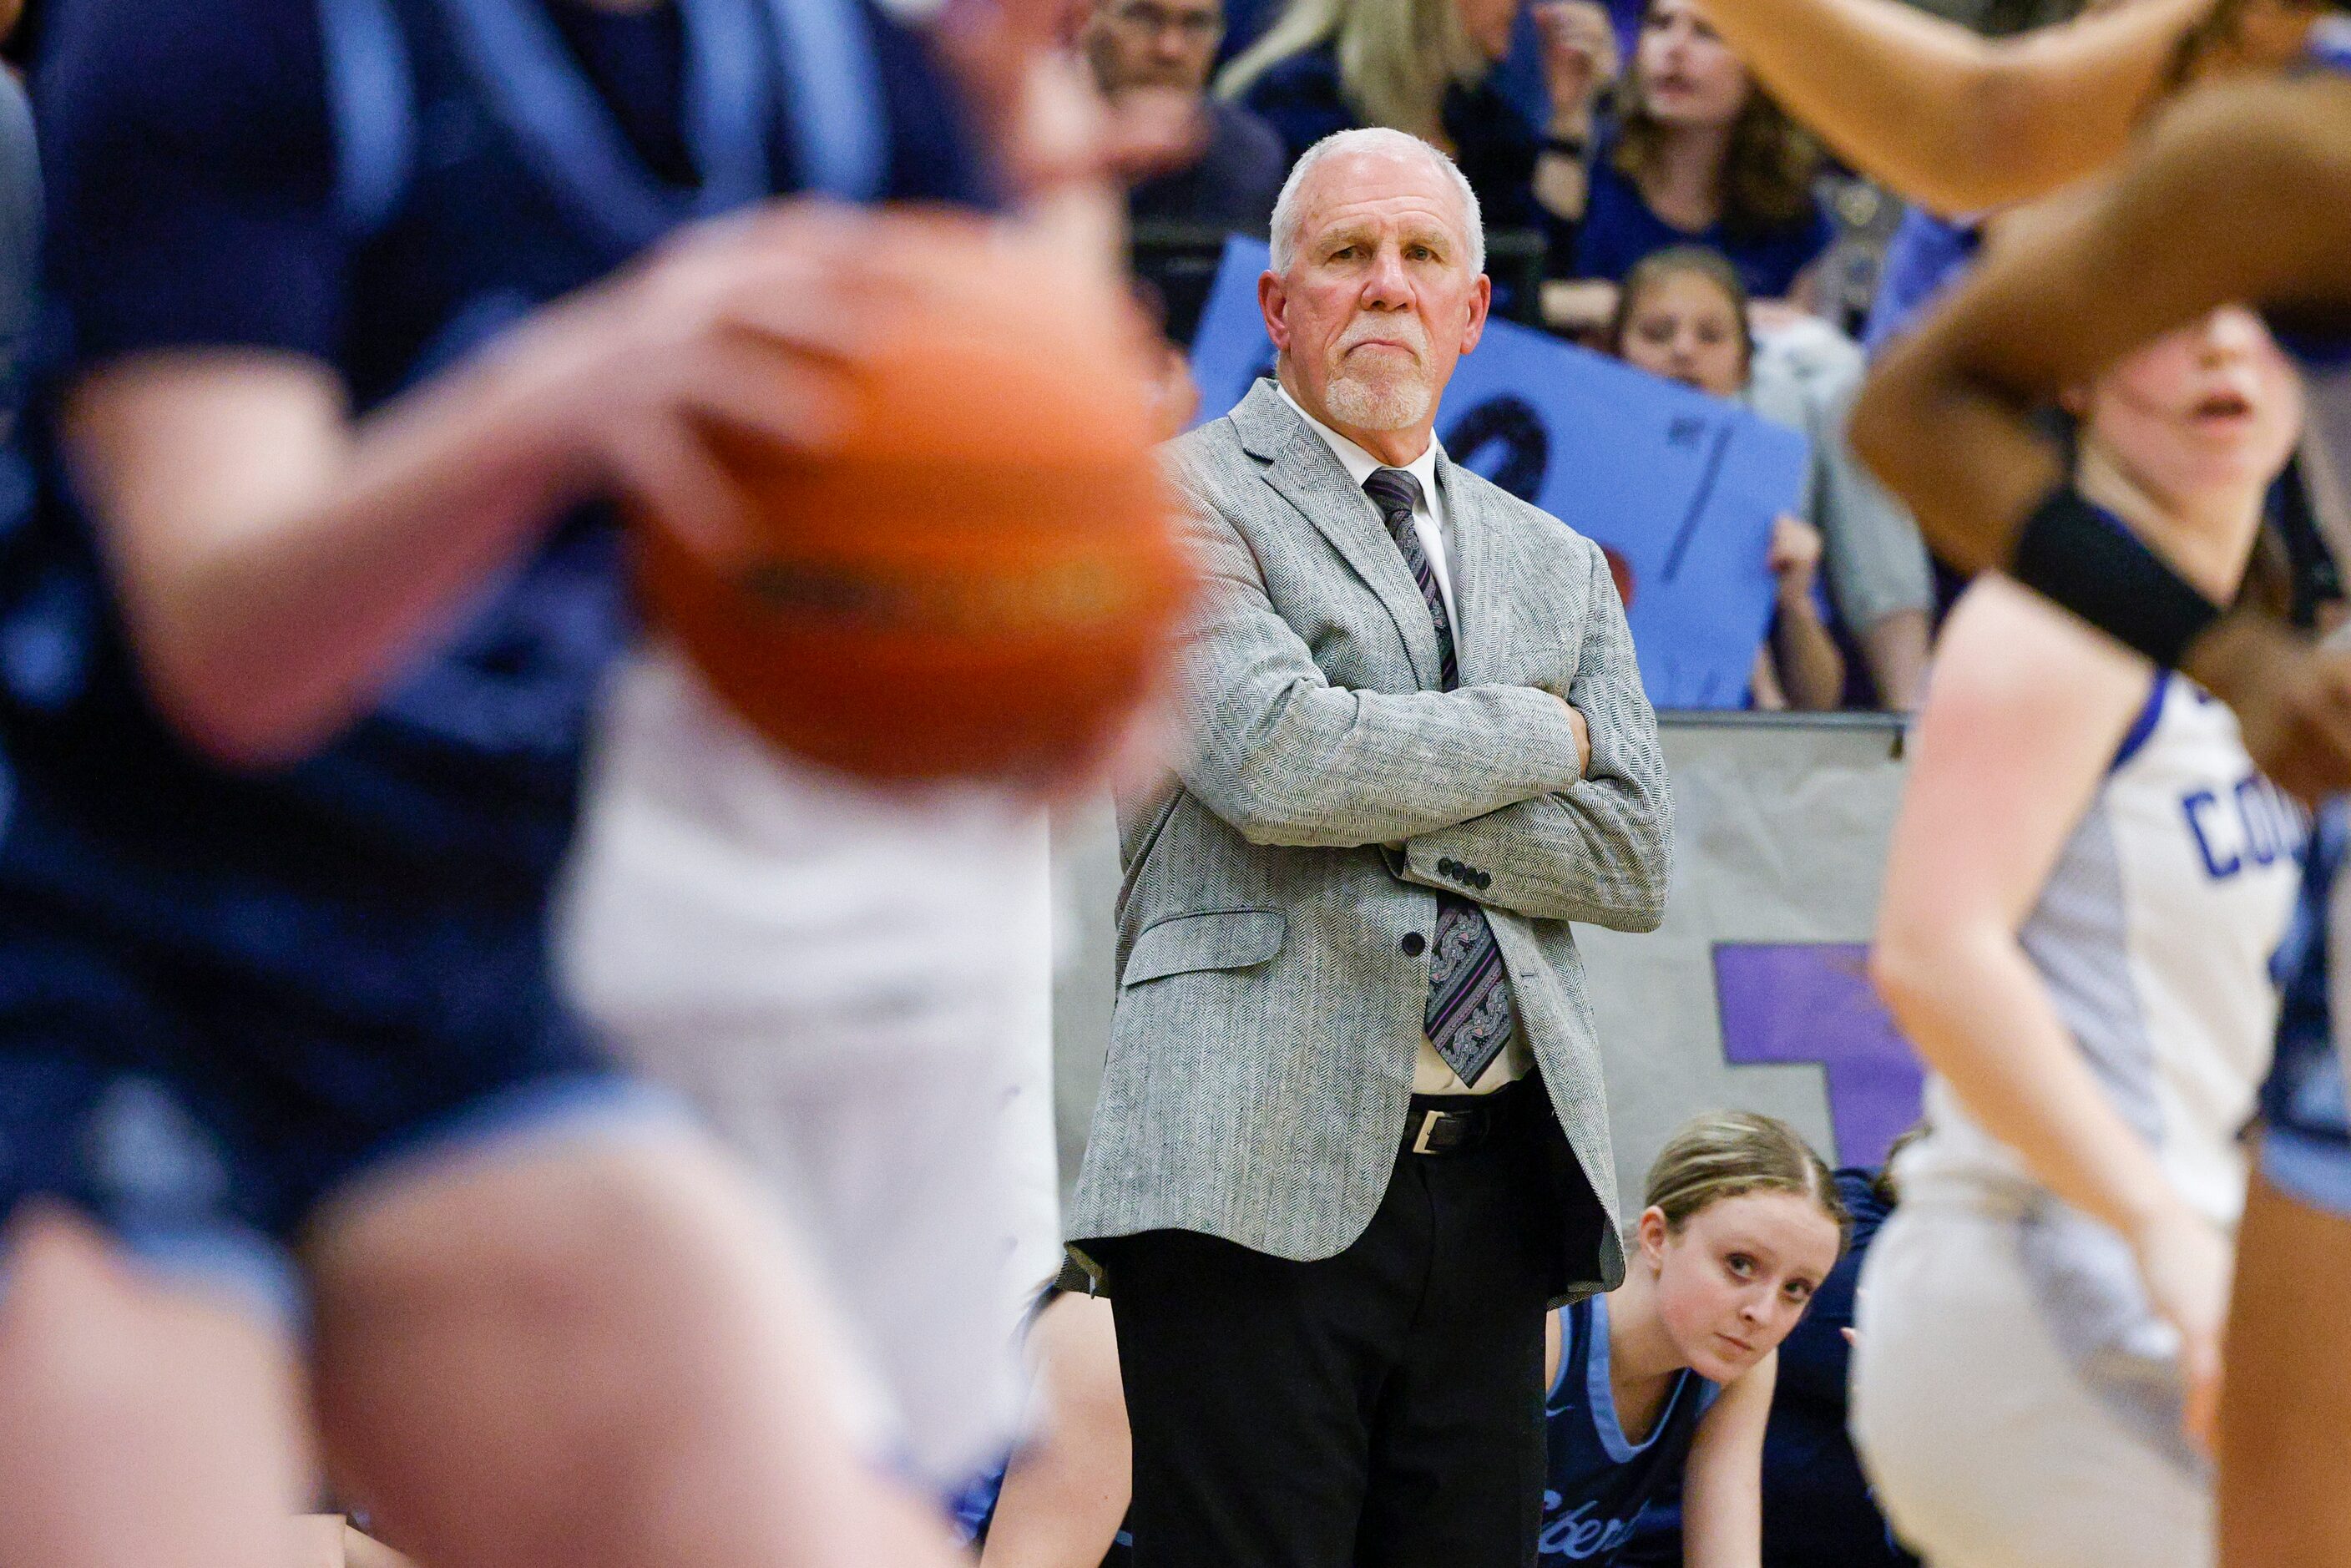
(980, 575)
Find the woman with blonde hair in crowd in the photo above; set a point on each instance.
(1423, 66)
(2085, 886)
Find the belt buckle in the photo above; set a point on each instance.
(1428, 1121)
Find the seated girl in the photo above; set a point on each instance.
(1672, 1371)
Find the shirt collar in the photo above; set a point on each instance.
(1360, 463)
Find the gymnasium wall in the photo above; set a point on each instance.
(1751, 993)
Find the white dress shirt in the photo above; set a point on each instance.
(1430, 1075)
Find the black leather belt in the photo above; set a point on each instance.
(1455, 1124)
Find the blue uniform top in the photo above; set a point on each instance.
(311, 959)
(1817, 1506)
(2308, 1146)
(1598, 1479)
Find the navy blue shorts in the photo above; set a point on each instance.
(201, 1115)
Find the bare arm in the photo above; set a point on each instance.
(1814, 669)
(273, 560)
(2027, 709)
(2240, 194)
(1579, 57)
(1288, 759)
(1066, 1493)
(1722, 1480)
(277, 562)
(1957, 123)
(1598, 851)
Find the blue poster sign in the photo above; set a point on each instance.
(1680, 488)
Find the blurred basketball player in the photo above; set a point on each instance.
(853, 981)
(363, 300)
(2083, 895)
(2240, 192)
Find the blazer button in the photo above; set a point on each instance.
(1446, 867)
(1484, 880)
(1414, 944)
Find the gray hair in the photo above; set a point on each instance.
(1288, 219)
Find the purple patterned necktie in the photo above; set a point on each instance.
(1469, 1018)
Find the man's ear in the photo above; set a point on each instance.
(1272, 296)
(1482, 302)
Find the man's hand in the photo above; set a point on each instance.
(2183, 1261)
(1582, 736)
(2291, 697)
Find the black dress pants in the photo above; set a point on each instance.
(1381, 1408)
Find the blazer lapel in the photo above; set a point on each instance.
(1481, 562)
(1308, 475)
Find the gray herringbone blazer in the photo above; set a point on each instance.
(1262, 1049)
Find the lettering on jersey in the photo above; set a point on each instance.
(2253, 823)
(1576, 1535)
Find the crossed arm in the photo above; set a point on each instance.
(1488, 774)
(1599, 849)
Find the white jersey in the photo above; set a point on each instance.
(855, 987)
(2154, 934)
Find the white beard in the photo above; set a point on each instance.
(1387, 404)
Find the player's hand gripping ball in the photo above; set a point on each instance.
(976, 573)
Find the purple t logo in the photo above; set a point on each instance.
(1811, 1003)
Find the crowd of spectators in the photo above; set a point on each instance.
(1678, 215)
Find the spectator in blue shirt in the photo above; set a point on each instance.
(1681, 316)
(1699, 155)
(1926, 256)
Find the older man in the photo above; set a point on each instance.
(1352, 1138)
